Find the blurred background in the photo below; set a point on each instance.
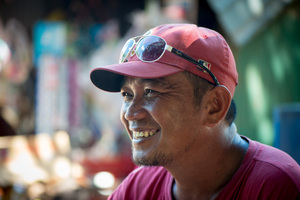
(61, 137)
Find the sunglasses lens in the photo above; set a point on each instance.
(150, 48)
(126, 50)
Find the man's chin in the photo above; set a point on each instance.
(158, 160)
(144, 162)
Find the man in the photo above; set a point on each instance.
(178, 81)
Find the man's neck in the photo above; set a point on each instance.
(204, 179)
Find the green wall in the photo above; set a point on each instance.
(269, 75)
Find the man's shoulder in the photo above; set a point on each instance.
(266, 173)
(272, 163)
(265, 154)
(277, 158)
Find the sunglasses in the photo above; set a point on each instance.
(151, 48)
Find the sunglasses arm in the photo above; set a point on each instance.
(192, 60)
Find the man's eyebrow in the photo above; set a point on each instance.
(160, 82)
(157, 82)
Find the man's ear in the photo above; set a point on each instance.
(215, 104)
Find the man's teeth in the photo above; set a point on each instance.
(143, 134)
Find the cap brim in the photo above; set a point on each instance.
(110, 78)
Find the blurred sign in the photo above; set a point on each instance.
(49, 38)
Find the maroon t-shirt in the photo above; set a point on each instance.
(266, 173)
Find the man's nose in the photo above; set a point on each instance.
(134, 110)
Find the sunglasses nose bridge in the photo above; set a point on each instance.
(132, 51)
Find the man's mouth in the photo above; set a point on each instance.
(143, 134)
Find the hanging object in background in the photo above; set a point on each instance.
(16, 88)
(243, 19)
(4, 54)
(17, 70)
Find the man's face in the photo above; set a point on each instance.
(160, 118)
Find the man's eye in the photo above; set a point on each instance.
(150, 93)
(126, 95)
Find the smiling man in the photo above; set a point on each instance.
(178, 81)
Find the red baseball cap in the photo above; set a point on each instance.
(197, 42)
